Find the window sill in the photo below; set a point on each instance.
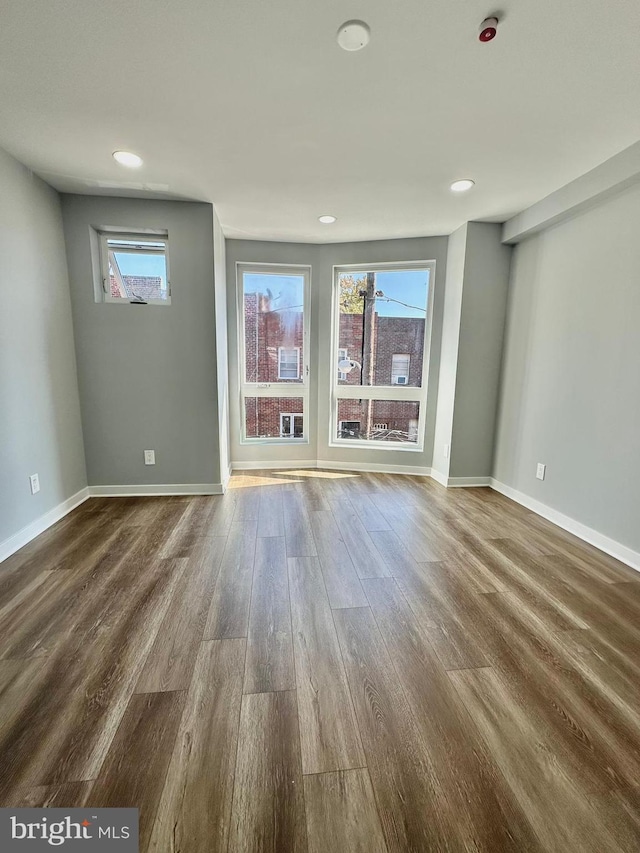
(377, 445)
(152, 302)
(297, 442)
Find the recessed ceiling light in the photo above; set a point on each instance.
(354, 35)
(327, 219)
(462, 186)
(127, 158)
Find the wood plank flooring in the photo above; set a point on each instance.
(325, 661)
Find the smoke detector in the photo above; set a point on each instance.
(488, 29)
(354, 35)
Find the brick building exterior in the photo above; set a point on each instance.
(139, 286)
(271, 338)
(273, 417)
(385, 419)
(274, 353)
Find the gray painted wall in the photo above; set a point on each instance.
(322, 258)
(147, 374)
(484, 303)
(571, 373)
(473, 330)
(222, 345)
(40, 429)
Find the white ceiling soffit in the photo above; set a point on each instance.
(607, 179)
(253, 105)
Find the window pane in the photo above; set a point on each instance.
(288, 364)
(400, 365)
(343, 353)
(136, 274)
(273, 327)
(274, 417)
(378, 420)
(382, 315)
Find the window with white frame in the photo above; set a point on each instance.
(273, 334)
(288, 362)
(400, 369)
(135, 268)
(349, 429)
(291, 425)
(382, 316)
(343, 354)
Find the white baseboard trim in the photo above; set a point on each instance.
(588, 534)
(270, 466)
(225, 479)
(331, 466)
(439, 477)
(24, 536)
(375, 468)
(468, 482)
(459, 482)
(157, 489)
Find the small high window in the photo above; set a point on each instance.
(135, 268)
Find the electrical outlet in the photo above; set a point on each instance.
(540, 471)
(149, 457)
(447, 448)
(34, 480)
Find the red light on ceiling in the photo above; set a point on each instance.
(488, 29)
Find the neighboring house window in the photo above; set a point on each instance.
(288, 363)
(343, 353)
(381, 426)
(349, 429)
(135, 268)
(400, 369)
(291, 425)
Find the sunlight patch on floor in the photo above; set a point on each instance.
(251, 481)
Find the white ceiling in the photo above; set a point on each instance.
(252, 105)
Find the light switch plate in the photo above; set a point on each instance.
(34, 481)
(541, 471)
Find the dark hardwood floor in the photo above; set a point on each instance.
(324, 661)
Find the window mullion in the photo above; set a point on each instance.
(275, 389)
(404, 393)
